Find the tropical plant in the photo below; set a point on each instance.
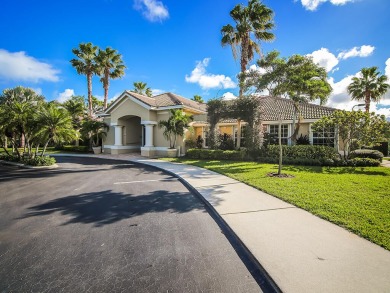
(175, 125)
(109, 66)
(355, 129)
(198, 99)
(142, 88)
(86, 64)
(370, 86)
(55, 125)
(255, 20)
(94, 130)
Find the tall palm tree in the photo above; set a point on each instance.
(198, 99)
(110, 66)
(142, 88)
(255, 20)
(86, 64)
(175, 125)
(371, 86)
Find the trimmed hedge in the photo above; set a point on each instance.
(313, 152)
(73, 148)
(371, 154)
(363, 162)
(37, 161)
(215, 154)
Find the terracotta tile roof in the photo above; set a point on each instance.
(274, 107)
(168, 100)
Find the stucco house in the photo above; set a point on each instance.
(133, 120)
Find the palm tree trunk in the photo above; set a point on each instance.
(367, 102)
(238, 133)
(243, 61)
(89, 82)
(106, 85)
(45, 146)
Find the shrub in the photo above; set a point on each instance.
(372, 154)
(303, 140)
(190, 144)
(301, 151)
(363, 162)
(37, 161)
(199, 142)
(73, 148)
(40, 161)
(215, 154)
(225, 142)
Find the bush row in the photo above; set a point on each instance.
(371, 154)
(356, 162)
(215, 154)
(37, 161)
(72, 148)
(313, 152)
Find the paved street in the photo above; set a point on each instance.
(110, 226)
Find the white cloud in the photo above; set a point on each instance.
(387, 69)
(156, 92)
(153, 10)
(207, 80)
(65, 95)
(363, 51)
(20, 67)
(228, 96)
(312, 5)
(324, 58)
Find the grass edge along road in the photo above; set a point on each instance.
(357, 199)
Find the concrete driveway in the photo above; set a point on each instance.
(110, 226)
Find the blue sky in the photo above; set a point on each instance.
(175, 45)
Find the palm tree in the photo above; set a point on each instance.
(94, 130)
(255, 19)
(86, 64)
(198, 99)
(109, 66)
(76, 108)
(55, 125)
(142, 88)
(371, 86)
(175, 125)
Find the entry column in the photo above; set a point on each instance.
(149, 132)
(118, 134)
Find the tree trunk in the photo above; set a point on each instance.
(367, 102)
(44, 148)
(280, 148)
(238, 133)
(106, 84)
(89, 82)
(243, 61)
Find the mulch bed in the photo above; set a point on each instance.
(280, 176)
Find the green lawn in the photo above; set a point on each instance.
(355, 198)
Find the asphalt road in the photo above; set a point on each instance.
(109, 226)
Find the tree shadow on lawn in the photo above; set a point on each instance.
(335, 170)
(107, 207)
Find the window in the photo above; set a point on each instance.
(242, 141)
(274, 134)
(324, 137)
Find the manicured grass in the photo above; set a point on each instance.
(386, 158)
(357, 199)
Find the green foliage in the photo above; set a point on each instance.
(175, 125)
(199, 142)
(314, 152)
(355, 128)
(225, 142)
(198, 99)
(363, 162)
(109, 66)
(303, 140)
(142, 88)
(34, 161)
(215, 154)
(72, 148)
(371, 86)
(94, 130)
(254, 20)
(372, 154)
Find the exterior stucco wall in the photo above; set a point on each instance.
(110, 139)
(129, 107)
(132, 130)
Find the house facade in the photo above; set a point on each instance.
(134, 118)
